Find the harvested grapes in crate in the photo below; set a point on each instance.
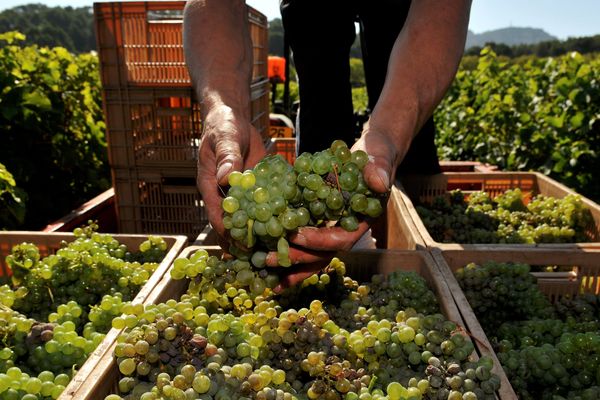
(547, 349)
(329, 338)
(55, 310)
(507, 218)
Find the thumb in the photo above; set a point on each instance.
(380, 169)
(229, 158)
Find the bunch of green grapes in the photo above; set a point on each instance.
(224, 286)
(57, 309)
(500, 292)
(85, 269)
(220, 340)
(539, 331)
(581, 308)
(547, 351)
(273, 199)
(506, 218)
(16, 384)
(570, 365)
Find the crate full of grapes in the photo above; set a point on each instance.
(58, 294)
(544, 331)
(523, 209)
(221, 329)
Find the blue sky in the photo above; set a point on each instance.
(559, 18)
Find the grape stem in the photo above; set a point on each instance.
(461, 329)
(372, 382)
(250, 225)
(50, 293)
(337, 181)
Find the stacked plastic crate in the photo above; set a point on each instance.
(152, 116)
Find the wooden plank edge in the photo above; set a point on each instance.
(82, 376)
(78, 216)
(420, 231)
(482, 342)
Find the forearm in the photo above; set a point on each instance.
(218, 52)
(422, 65)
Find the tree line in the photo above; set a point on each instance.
(550, 48)
(68, 27)
(73, 28)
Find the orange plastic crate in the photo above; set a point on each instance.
(141, 43)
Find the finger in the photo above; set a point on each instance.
(327, 239)
(209, 189)
(212, 204)
(299, 256)
(380, 169)
(299, 275)
(228, 159)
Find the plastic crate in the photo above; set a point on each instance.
(466, 166)
(161, 127)
(585, 262)
(141, 43)
(423, 189)
(360, 265)
(160, 201)
(286, 147)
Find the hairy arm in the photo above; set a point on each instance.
(422, 65)
(218, 52)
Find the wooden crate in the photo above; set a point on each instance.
(585, 262)
(423, 189)
(584, 276)
(141, 43)
(49, 242)
(101, 209)
(401, 230)
(360, 265)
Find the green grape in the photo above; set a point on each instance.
(248, 180)
(374, 208)
(335, 200)
(359, 202)
(261, 195)
(230, 204)
(235, 178)
(348, 181)
(360, 158)
(349, 223)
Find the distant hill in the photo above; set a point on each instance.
(508, 36)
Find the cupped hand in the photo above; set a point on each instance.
(229, 143)
(312, 248)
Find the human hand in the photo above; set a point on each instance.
(312, 248)
(229, 143)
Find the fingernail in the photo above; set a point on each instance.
(384, 177)
(224, 170)
(299, 239)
